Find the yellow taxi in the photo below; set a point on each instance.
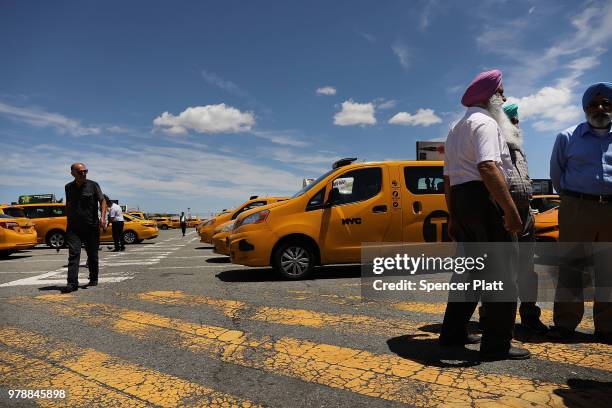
(547, 217)
(138, 214)
(163, 223)
(135, 230)
(193, 222)
(328, 220)
(207, 228)
(16, 233)
(219, 238)
(49, 219)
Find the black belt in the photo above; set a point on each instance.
(590, 197)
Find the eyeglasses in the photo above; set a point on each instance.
(604, 103)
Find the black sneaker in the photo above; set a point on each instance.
(535, 325)
(605, 338)
(93, 283)
(514, 353)
(70, 288)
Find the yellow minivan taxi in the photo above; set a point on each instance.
(219, 239)
(49, 219)
(138, 214)
(16, 233)
(163, 223)
(207, 228)
(327, 221)
(547, 217)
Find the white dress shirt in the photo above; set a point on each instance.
(115, 212)
(474, 139)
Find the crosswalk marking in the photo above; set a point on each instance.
(580, 355)
(92, 378)
(384, 376)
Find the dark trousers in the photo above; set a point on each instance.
(476, 218)
(589, 222)
(183, 227)
(527, 277)
(75, 237)
(118, 235)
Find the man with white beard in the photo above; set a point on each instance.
(521, 189)
(581, 170)
(481, 209)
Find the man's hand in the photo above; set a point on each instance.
(513, 223)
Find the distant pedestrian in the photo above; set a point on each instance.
(183, 221)
(83, 226)
(481, 209)
(115, 215)
(581, 171)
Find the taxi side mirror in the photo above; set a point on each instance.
(334, 195)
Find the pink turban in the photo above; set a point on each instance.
(482, 87)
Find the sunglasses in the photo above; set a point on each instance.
(606, 104)
(81, 172)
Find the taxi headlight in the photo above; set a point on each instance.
(255, 218)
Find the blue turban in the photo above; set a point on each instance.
(511, 111)
(600, 88)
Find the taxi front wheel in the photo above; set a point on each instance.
(56, 239)
(294, 260)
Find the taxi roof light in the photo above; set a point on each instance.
(343, 162)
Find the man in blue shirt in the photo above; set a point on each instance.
(581, 170)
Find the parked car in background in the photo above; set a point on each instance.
(16, 233)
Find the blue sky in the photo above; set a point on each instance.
(201, 104)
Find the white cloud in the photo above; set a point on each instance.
(326, 90)
(117, 129)
(149, 174)
(385, 104)
(422, 117)
(206, 119)
(285, 138)
(354, 113)
(40, 118)
(224, 84)
(550, 108)
(402, 53)
(368, 37)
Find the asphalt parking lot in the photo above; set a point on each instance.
(172, 323)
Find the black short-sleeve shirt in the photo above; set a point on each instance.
(82, 203)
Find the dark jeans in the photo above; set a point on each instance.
(75, 237)
(476, 218)
(118, 235)
(183, 227)
(527, 277)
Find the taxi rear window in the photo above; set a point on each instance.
(14, 212)
(424, 179)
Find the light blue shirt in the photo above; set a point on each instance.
(581, 161)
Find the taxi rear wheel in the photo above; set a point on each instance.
(294, 260)
(56, 239)
(163, 227)
(130, 237)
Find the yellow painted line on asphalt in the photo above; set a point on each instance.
(419, 307)
(91, 378)
(576, 354)
(385, 376)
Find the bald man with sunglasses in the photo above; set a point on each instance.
(82, 199)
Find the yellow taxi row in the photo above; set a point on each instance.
(327, 221)
(49, 223)
(165, 223)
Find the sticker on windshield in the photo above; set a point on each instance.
(344, 185)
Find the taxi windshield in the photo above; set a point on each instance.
(314, 183)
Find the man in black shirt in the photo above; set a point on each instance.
(82, 199)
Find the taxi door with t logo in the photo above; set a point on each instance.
(425, 216)
(357, 211)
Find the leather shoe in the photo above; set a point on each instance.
(535, 325)
(93, 283)
(605, 338)
(469, 339)
(70, 288)
(559, 333)
(514, 353)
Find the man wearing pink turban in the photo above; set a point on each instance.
(481, 209)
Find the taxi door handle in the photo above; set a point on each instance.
(379, 209)
(417, 207)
